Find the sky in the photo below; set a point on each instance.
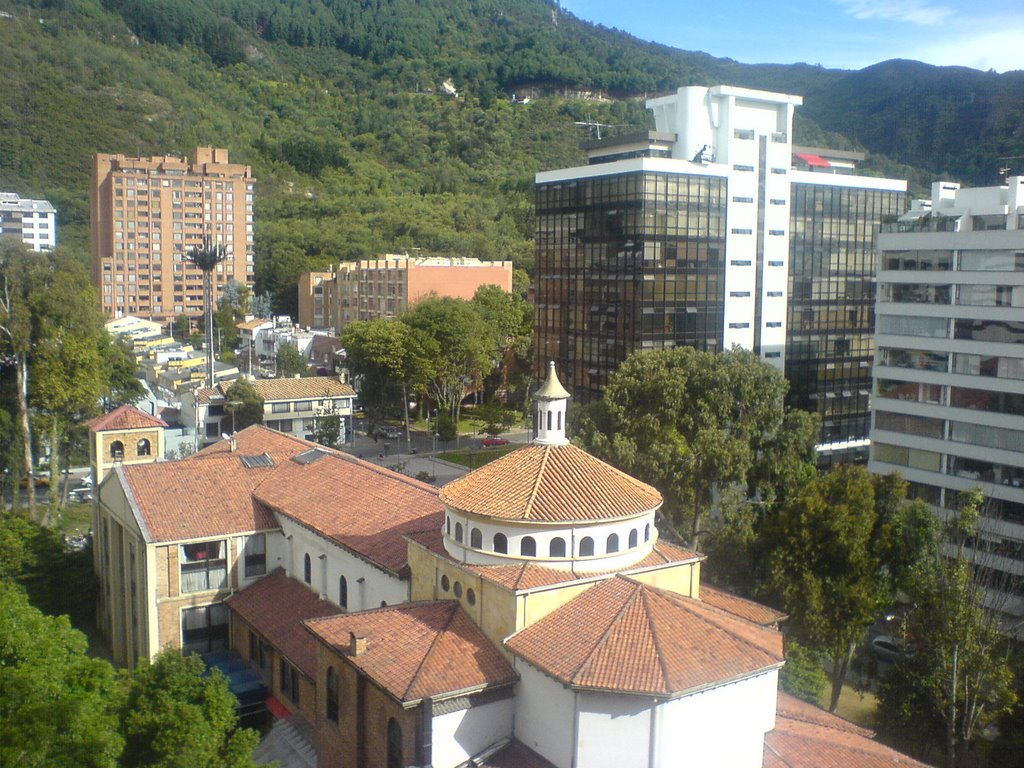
(840, 34)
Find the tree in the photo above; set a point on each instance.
(182, 328)
(804, 674)
(465, 349)
(176, 715)
(244, 404)
(291, 362)
(57, 705)
(690, 423)
(328, 430)
(122, 383)
(831, 560)
(958, 680)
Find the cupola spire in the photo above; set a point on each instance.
(552, 401)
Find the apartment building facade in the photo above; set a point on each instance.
(949, 367)
(34, 222)
(386, 287)
(146, 215)
(711, 231)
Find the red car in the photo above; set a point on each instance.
(492, 441)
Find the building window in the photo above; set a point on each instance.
(280, 407)
(739, 294)
(458, 532)
(142, 448)
(557, 547)
(307, 569)
(395, 744)
(633, 538)
(612, 543)
(476, 539)
(289, 680)
(739, 325)
(117, 450)
(457, 589)
(204, 566)
(528, 547)
(332, 695)
(445, 583)
(343, 593)
(471, 597)
(204, 629)
(586, 546)
(647, 532)
(255, 555)
(448, 526)
(501, 543)
(773, 325)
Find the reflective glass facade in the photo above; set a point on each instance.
(830, 346)
(624, 262)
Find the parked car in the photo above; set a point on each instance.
(388, 432)
(80, 495)
(492, 441)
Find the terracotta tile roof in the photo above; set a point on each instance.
(738, 606)
(628, 637)
(362, 506)
(196, 498)
(252, 325)
(418, 649)
(310, 387)
(275, 607)
(124, 417)
(206, 395)
(550, 483)
(512, 755)
(808, 737)
(524, 576)
(258, 439)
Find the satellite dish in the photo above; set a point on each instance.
(225, 436)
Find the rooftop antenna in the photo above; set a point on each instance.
(595, 127)
(207, 256)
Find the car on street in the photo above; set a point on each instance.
(492, 441)
(388, 432)
(887, 648)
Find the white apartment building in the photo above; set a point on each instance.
(34, 221)
(714, 231)
(949, 372)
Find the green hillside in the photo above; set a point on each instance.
(338, 107)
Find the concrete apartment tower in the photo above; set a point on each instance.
(715, 231)
(148, 212)
(949, 367)
(34, 222)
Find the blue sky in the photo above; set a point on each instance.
(844, 34)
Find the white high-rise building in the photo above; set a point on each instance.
(949, 372)
(33, 221)
(713, 231)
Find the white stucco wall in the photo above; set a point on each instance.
(458, 736)
(377, 585)
(544, 715)
(615, 731)
(722, 726)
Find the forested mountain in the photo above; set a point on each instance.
(338, 106)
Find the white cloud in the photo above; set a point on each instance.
(912, 11)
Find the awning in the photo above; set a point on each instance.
(816, 161)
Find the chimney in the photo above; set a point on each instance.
(356, 645)
(232, 444)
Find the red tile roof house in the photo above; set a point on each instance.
(526, 615)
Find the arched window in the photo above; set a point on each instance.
(559, 419)
(613, 543)
(476, 539)
(117, 450)
(332, 695)
(395, 744)
(458, 532)
(633, 537)
(142, 448)
(501, 543)
(343, 593)
(647, 532)
(549, 421)
(586, 546)
(528, 547)
(307, 569)
(448, 525)
(557, 547)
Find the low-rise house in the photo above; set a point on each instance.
(289, 405)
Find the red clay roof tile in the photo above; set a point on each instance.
(124, 417)
(550, 483)
(276, 606)
(626, 636)
(418, 649)
(738, 606)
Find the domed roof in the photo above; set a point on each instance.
(550, 484)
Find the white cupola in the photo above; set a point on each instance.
(552, 401)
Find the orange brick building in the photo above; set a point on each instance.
(388, 286)
(147, 212)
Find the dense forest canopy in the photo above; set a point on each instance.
(338, 106)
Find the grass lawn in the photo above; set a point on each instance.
(857, 707)
(477, 458)
(76, 517)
